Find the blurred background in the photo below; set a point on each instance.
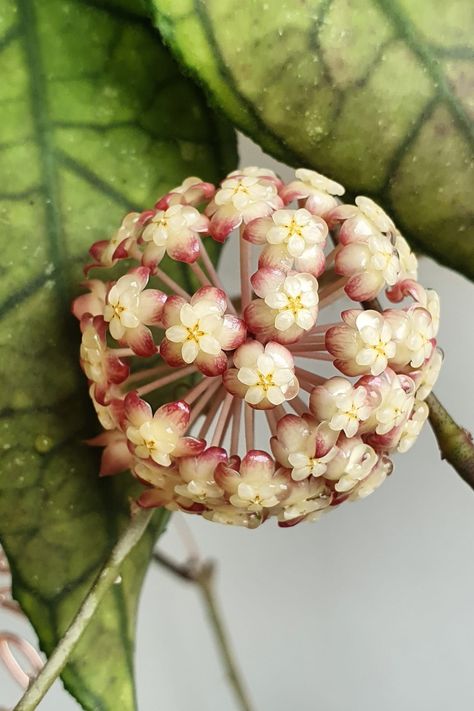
(369, 608)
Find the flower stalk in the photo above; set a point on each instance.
(106, 578)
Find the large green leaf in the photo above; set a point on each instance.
(378, 94)
(95, 120)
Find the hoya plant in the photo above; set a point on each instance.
(135, 384)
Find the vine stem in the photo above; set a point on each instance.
(455, 443)
(202, 574)
(106, 578)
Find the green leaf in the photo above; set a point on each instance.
(376, 94)
(96, 120)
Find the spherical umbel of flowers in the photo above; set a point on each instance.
(178, 374)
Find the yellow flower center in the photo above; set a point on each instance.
(265, 381)
(294, 304)
(380, 348)
(241, 189)
(150, 444)
(352, 413)
(194, 333)
(293, 229)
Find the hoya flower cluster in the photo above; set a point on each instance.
(224, 359)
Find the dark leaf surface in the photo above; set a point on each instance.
(377, 94)
(95, 121)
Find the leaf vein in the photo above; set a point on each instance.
(86, 174)
(408, 33)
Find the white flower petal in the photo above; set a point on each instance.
(210, 323)
(189, 351)
(176, 334)
(247, 376)
(283, 376)
(275, 395)
(292, 286)
(277, 300)
(304, 319)
(265, 364)
(210, 345)
(116, 328)
(284, 320)
(296, 245)
(300, 473)
(188, 316)
(129, 320)
(298, 459)
(254, 395)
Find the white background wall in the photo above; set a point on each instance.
(369, 609)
